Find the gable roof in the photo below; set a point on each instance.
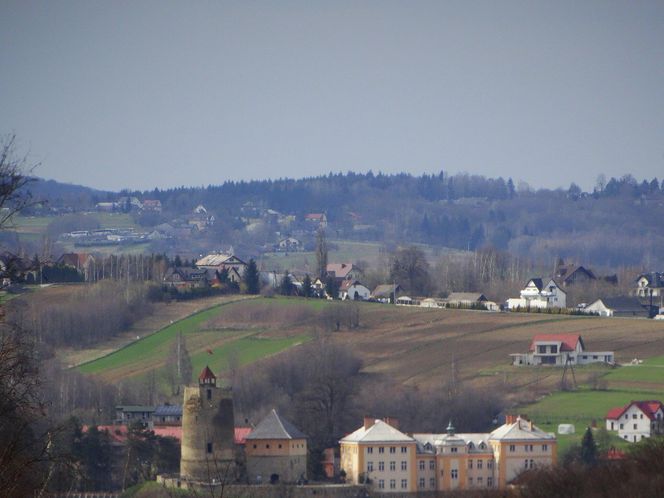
(649, 408)
(385, 290)
(467, 296)
(519, 431)
(568, 272)
(75, 259)
(625, 304)
(537, 282)
(379, 432)
(218, 259)
(339, 270)
(275, 427)
(347, 284)
(168, 411)
(654, 279)
(567, 342)
(206, 374)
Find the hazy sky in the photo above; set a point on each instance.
(141, 94)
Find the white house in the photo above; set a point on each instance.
(537, 295)
(353, 290)
(555, 349)
(219, 261)
(289, 244)
(636, 420)
(650, 282)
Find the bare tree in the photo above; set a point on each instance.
(13, 180)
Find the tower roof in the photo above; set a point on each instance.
(206, 374)
(273, 426)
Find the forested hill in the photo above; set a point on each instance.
(619, 223)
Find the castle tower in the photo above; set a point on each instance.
(208, 428)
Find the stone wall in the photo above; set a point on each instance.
(289, 468)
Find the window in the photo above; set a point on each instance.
(441, 472)
(267, 445)
(370, 449)
(541, 349)
(432, 482)
(512, 448)
(634, 416)
(404, 465)
(454, 474)
(209, 447)
(279, 446)
(479, 481)
(421, 483)
(641, 416)
(393, 449)
(381, 466)
(369, 466)
(470, 481)
(479, 464)
(489, 464)
(209, 394)
(635, 426)
(254, 446)
(432, 465)
(381, 483)
(489, 482)
(404, 483)
(526, 465)
(622, 426)
(393, 465)
(421, 464)
(545, 447)
(453, 449)
(404, 449)
(554, 349)
(470, 464)
(393, 484)
(528, 447)
(381, 449)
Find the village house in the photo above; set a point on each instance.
(128, 414)
(219, 262)
(289, 244)
(343, 271)
(393, 462)
(636, 420)
(621, 306)
(353, 290)
(83, 262)
(466, 300)
(151, 205)
(183, 278)
(276, 451)
(165, 415)
(316, 220)
(386, 293)
(650, 284)
(537, 295)
(558, 350)
(569, 274)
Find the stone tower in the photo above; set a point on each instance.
(208, 428)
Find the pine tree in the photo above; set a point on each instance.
(588, 448)
(286, 287)
(251, 278)
(306, 286)
(321, 253)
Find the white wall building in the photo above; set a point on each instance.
(537, 295)
(636, 420)
(555, 349)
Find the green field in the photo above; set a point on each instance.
(206, 343)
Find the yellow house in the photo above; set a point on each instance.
(378, 453)
(444, 462)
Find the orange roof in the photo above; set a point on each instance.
(168, 431)
(241, 434)
(118, 433)
(568, 341)
(649, 408)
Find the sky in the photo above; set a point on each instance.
(144, 94)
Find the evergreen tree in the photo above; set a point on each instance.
(251, 278)
(588, 448)
(306, 286)
(177, 262)
(286, 287)
(332, 287)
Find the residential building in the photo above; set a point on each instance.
(636, 420)
(343, 271)
(316, 220)
(183, 278)
(621, 306)
(466, 299)
(537, 295)
(353, 290)
(569, 274)
(153, 205)
(165, 415)
(394, 462)
(386, 293)
(651, 285)
(289, 244)
(127, 414)
(220, 261)
(558, 349)
(276, 451)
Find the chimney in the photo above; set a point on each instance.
(368, 422)
(510, 419)
(394, 422)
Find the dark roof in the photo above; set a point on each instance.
(623, 304)
(538, 283)
(654, 278)
(385, 290)
(275, 427)
(566, 272)
(168, 411)
(134, 408)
